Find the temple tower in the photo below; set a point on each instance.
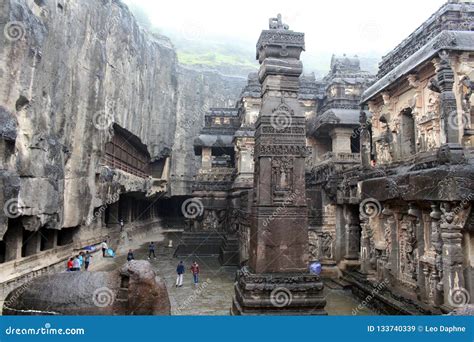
(276, 279)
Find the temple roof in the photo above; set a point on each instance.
(222, 111)
(212, 140)
(452, 16)
(445, 40)
(253, 87)
(333, 118)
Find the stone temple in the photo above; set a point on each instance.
(371, 176)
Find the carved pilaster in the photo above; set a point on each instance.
(367, 248)
(449, 112)
(436, 244)
(352, 234)
(453, 278)
(365, 140)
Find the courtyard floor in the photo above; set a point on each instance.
(213, 295)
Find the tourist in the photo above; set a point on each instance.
(180, 271)
(195, 272)
(104, 247)
(70, 264)
(130, 256)
(76, 266)
(87, 260)
(151, 250)
(81, 259)
(121, 225)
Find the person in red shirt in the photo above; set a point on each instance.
(69, 264)
(195, 271)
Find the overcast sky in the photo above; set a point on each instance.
(341, 26)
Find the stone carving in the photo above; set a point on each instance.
(445, 40)
(467, 88)
(326, 245)
(282, 177)
(277, 23)
(408, 252)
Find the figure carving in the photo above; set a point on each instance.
(277, 23)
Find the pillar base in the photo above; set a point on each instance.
(278, 294)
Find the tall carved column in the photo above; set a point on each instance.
(390, 226)
(277, 279)
(453, 277)
(365, 142)
(367, 249)
(352, 235)
(437, 245)
(452, 151)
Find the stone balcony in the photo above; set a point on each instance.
(216, 179)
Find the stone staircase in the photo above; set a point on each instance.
(229, 252)
(209, 244)
(121, 300)
(200, 244)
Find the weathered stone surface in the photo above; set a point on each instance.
(133, 290)
(72, 67)
(147, 293)
(197, 93)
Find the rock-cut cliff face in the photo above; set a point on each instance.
(68, 69)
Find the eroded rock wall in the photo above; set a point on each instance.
(69, 69)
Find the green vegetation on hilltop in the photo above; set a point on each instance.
(213, 59)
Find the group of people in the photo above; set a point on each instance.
(180, 271)
(83, 260)
(151, 252)
(80, 261)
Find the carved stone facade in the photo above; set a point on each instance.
(416, 187)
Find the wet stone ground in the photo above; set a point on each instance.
(213, 295)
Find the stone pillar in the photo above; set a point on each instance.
(352, 235)
(13, 243)
(453, 277)
(341, 140)
(415, 213)
(437, 245)
(277, 280)
(32, 244)
(113, 214)
(365, 142)
(451, 117)
(366, 247)
(390, 226)
(206, 159)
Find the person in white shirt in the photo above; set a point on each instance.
(104, 248)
